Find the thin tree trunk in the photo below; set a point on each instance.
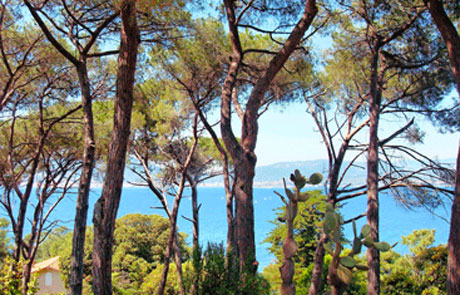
(175, 210)
(30, 251)
(229, 199)
(105, 209)
(337, 286)
(333, 180)
(175, 239)
(195, 217)
(373, 255)
(196, 231)
(229, 195)
(19, 228)
(228, 138)
(78, 242)
(81, 214)
(169, 246)
(178, 261)
(316, 278)
(453, 245)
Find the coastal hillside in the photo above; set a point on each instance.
(272, 175)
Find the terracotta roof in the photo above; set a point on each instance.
(50, 264)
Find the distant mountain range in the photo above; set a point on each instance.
(272, 175)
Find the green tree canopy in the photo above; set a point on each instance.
(140, 242)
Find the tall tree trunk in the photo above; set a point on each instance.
(449, 34)
(452, 40)
(373, 255)
(81, 214)
(105, 209)
(453, 245)
(243, 155)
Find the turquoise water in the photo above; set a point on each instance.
(395, 220)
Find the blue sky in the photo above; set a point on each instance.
(288, 133)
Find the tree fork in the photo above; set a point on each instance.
(242, 153)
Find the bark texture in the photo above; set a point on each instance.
(452, 40)
(453, 245)
(195, 217)
(373, 255)
(81, 214)
(105, 209)
(449, 34)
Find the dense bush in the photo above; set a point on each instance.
(140, 242)
(216, 276)
(11, 278)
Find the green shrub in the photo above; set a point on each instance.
(11, 278)
(215, 276)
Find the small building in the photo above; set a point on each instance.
(49, 277)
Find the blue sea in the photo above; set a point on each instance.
(395, 221)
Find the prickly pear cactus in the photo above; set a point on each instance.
(289, 245)
(342, 267)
